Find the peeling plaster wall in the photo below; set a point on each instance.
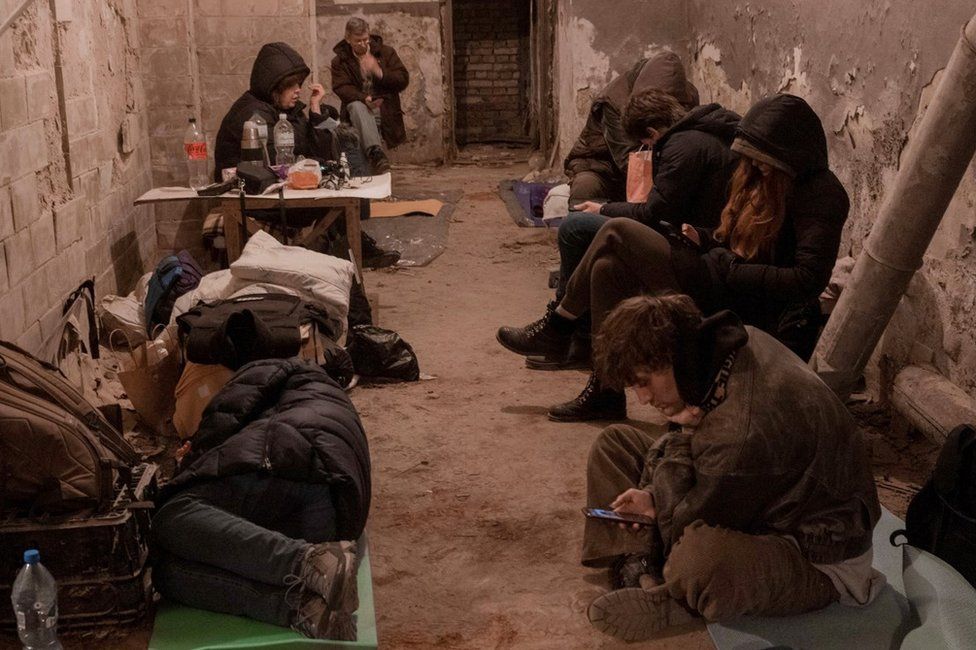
(74, 154)
(413, 28)
(196, 61)
(593, 45)
(866, 68)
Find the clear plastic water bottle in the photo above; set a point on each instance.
(284, 141)
(35, 601)
(195, 145)
(344, 165)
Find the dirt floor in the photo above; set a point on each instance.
(475, 528)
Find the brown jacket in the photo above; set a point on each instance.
(781, 455)
(347, 83)
(603, 146)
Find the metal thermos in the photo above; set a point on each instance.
(251, 150)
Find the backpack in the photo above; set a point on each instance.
(174, 276)
(941, 518)
(58, 453)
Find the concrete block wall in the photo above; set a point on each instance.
(491, 70)
(68, 82)
(196, 61)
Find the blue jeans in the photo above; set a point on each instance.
(575, 234)
(228, 545)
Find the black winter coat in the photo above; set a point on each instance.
(289, 419)
(692, 165)
(764, 291)
(274, 62)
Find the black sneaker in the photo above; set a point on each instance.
(378, 162)
(594, 403)
(539, 338)
(637, 614)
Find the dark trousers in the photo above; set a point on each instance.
(593, 186)
(576, 233)
(625, 259)
(229, 545)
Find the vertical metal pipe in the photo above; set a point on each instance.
(932, 166)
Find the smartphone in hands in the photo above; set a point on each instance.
(617, 517)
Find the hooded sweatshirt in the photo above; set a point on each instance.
(765, 290)
(603, 146)
(274, 62)
(692, 165)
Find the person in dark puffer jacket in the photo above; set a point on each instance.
(768, 261)
(261, 519)
(276, 81)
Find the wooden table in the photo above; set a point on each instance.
(345, 204)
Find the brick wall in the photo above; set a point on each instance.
(491, 70)
(197, 57)
(75, 154)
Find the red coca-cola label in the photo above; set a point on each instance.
(196, 150)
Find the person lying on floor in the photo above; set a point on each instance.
(691, 171)
(761, 490)
(769, 259)
(262, 517)
(597, 164)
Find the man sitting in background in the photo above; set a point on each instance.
(368, 77)
(761, 492)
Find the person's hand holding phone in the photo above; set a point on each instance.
(690, 232)
(636, 502)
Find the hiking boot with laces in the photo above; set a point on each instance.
(637, 614)
(316, 620)
(549, 336)
(329, 570)
(594, 403)
(634, 570)
(579, 356)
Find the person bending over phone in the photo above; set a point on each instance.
(758, 500)
(768, 261)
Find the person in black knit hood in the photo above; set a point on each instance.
(768, 260)
(276, 82)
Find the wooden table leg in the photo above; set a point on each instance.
(354, 231)
(232, 230)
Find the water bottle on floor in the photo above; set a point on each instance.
(284, 141)
(35, 601)
(195, 145)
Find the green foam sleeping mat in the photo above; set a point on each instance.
(185, 628)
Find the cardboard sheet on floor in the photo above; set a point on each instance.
(185, 628)
(386, 209)
(883, 624)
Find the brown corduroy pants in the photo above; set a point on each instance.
(720, 573)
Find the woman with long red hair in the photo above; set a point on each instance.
(768, 260)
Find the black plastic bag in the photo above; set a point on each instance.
(382, 355)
